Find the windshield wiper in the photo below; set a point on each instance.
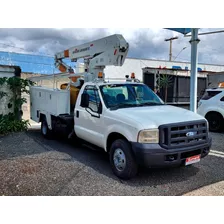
(150, 104)
(119, 106)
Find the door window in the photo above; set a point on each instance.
(94, 98)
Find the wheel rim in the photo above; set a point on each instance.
(119, 159)
(214, 124)
(44, 128)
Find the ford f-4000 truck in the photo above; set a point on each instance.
(126, 119)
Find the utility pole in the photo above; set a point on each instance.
(194, 62)
(170, 40)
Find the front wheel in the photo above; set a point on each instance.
(122, 159)
(215, 121)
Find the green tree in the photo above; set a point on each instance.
(165, 82)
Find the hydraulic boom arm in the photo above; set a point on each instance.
(111, 50)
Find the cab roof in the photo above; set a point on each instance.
(114, 83)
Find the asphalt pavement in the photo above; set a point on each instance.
(61, 167)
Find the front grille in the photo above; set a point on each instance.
(179, 135)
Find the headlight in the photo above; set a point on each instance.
(148, 136)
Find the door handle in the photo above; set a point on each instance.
(77, 113)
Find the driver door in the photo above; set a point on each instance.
(89, 125)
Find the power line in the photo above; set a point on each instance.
(143, 63)
(29, 62)
(25, 54)
(188, 60)
(8, 45)
(13, 62)
(21, 48)
(16, 60)
(12, 46)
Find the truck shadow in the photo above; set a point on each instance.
(99, 161)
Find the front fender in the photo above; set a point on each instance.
(130, 133)
(214, 109)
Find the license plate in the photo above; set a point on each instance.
(192, 159)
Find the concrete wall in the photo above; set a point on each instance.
(6, 71)
(5, 100)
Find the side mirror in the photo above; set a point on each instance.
(84, 100)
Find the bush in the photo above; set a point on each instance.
(8, 124)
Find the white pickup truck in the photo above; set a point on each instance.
(127, 120)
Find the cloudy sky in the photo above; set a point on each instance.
(144, 43)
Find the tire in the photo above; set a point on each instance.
(215, 121)
(45, 131)
(122, 160)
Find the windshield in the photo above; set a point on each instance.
(209, 94)
(128, 95)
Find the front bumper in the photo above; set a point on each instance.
(153, 155)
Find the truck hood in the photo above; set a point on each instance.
(154, 116)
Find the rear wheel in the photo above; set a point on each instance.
(122, 159)
(45, 131)
(215, 121)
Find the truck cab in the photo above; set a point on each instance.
(132, 124)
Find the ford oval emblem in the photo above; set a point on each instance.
(191, 133)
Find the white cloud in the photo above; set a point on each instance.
(144, 43)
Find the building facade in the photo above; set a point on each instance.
(41, 64)
(136, 65)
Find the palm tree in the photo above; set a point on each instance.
(165, 82)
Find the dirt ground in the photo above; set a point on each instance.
(32, 165)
